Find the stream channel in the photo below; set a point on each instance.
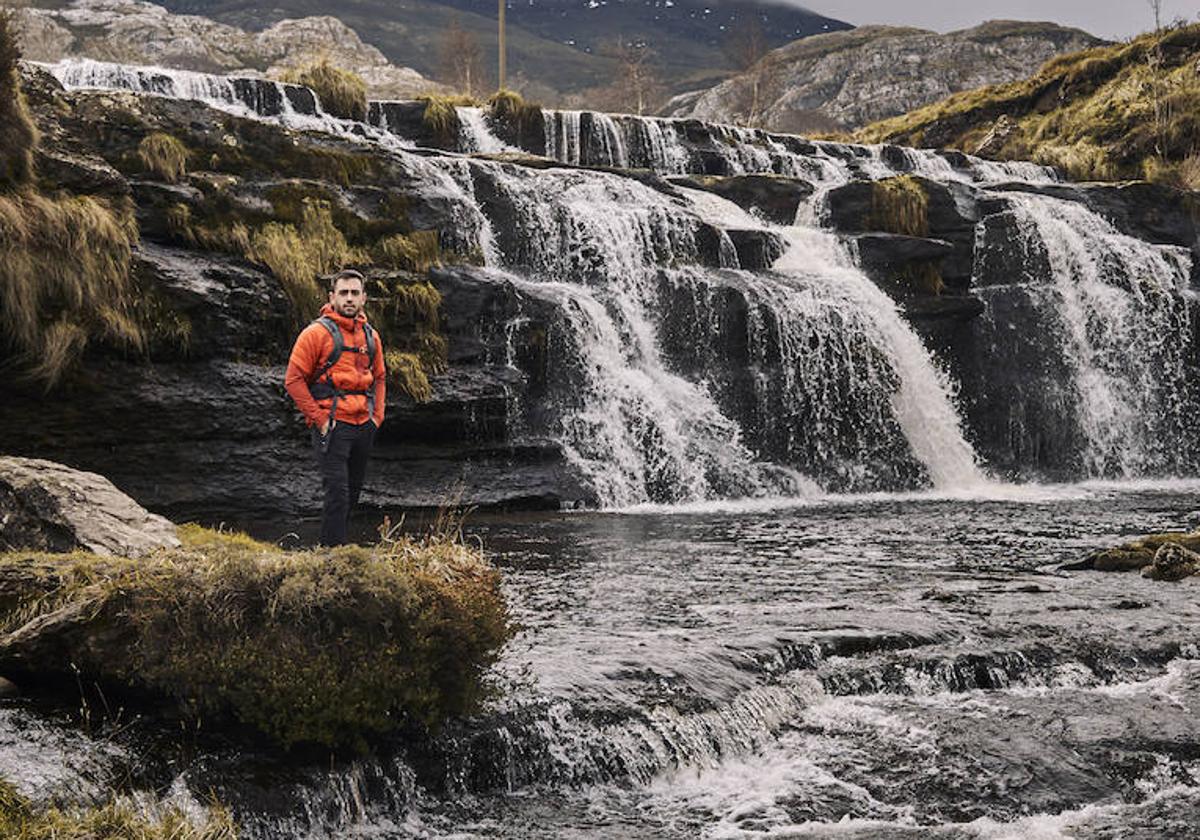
(878, 666)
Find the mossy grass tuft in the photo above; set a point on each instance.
(1139, 553)
(297, 256)
(343, 93)
(18, 135)
(164, 156)
(515, 117)
(440, 118)
(1128, 110)
(328, 646)
(899, 205)
(413, 312)
(64, 278)
(20, 820)
(406, 371)
(418, 251)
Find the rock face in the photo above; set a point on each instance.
(49, 507)
(135, 32)
(844, 80)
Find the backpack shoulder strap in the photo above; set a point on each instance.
(335, 333)
(370, 333)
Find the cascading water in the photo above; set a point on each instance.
(289, 105)
(475, 135)
(1125, 319)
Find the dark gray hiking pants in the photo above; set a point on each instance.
(342, 458)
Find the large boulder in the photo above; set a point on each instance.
(51, 507)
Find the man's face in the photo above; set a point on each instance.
(347, 298)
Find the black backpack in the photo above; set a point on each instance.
(322, 389)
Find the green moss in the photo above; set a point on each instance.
(342, 93)
(164, 156)
(19, 820)
(899, 205)
(329, 646)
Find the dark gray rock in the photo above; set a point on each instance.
(774, 197)
(47, 506)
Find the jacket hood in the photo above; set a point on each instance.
(328, 311)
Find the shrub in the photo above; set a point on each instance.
(342, 93)
(18, 136)
(164, 156)
(899, 205)
(19, 820)
(64, 278)
(329, 646)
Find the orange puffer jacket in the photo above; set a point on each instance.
(353, 371)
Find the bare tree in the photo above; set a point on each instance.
(462, 60)
(637, 72)
(745, 47)
(1154, 58)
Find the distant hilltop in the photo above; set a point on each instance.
(844, 80)
(1122, 111)
(135, 32)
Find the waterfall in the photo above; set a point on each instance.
(293, 106)
(831, 324)
(476, 136)
(1125, 324)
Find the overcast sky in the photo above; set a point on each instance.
(1105, 18)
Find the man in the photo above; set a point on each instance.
(341, 395)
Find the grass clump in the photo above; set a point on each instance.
(418, 251)
(899, 205)
(412, 311)
(297, 256)
(18, 135)
(514, 117)
(342, 93)
(330, 646)
(1139, 553)
(164, 156)
(406, 371)
(20, 820)
(64, 278)
(1129, 110)
(440, 118)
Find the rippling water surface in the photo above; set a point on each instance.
(870, 667)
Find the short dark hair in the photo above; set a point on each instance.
(347, 274)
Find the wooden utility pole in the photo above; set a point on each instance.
(503, 60)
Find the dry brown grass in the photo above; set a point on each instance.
(18, 135)
(64, 278)
(406, 373)
(298, 256)
(899, 205)
(20, 820)
(417, 251)
(342, 92)
(164, 156)
(1128, 110)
